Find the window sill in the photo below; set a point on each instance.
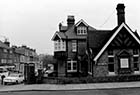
(136, 55)
(111, 74)
(110, 55)
(69, 71)
(90, 73)
(136, 72)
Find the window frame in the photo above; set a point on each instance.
(71, 69)
(74, 46)
(81, 30)
(136, 61)
(111, 62)
(122, 63)
(60, 45)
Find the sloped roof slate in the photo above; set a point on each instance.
(2, 45)
(71, 34)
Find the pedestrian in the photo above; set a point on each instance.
(2, 78)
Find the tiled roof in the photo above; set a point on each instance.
(2, 45)
(19, 51)
(63, 28)
(62, 35)
(98, 38)
(72, 34)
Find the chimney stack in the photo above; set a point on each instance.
(60, 25)
(120, 13)
(70, 21)
(6, 42)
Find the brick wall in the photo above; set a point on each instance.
(101, 67)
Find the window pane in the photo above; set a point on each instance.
(136, 67)
(110, 59)
(69, 66)
(111, 67)
(75, 66)
(135, 59)
(74, 46)
(81, 30)
(124, 63)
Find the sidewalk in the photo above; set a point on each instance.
(53, 87)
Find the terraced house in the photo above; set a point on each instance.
(6, 55)
(70, 46)
(114, 53)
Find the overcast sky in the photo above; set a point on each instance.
(34, 22)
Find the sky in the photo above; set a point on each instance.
(34, 22)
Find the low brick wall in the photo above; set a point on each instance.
(89, 79)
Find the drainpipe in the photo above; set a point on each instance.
(77, 58)
(66, 55)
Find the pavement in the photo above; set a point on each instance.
(68, 87)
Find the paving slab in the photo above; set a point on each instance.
(59, 87)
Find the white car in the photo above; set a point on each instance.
(14, 78)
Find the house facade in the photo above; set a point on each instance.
(70, 46)
(25, 55)
(6, 55)
(114, 52)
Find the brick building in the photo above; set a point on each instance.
(24, 55)
(70, 46)
(6, 55)
(114, 52)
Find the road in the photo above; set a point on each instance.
(126, 91)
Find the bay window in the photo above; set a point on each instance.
(60, 45)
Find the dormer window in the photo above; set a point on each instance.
(81, 30)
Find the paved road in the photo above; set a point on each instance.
(129, 91)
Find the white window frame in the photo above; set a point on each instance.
(123, 63)
(59, 45)
(136, 62)
(74, 46)
(111, 56)
(81, 30)
(72, 68)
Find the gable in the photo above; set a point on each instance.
(81, 22)
(124, 40)
(123, 25)
(56, 36)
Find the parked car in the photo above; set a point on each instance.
(13, 78)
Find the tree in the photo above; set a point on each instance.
(47, 59)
